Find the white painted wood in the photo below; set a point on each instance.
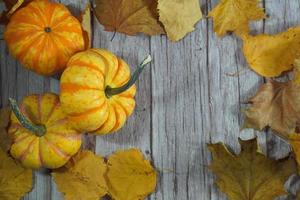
(185, 99)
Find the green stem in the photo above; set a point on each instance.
(114, 91)
(38, 130)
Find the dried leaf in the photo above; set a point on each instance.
(270, 55)
(82, 177)
(179, 17)
(86, 25)
(5, 140)
(294, 140)
(276, 105)
(130, 176)
(15, 180)
(249, 175)
(128, 16)
(11, 7)
(235, 15)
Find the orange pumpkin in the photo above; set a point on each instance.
(97, 92)
(43, 36)
(42, 136)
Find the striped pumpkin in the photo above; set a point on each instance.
(43, 36)
(84, 96)
(55, 146)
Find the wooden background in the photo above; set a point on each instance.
(185, 99)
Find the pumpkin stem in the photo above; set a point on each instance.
(114, 91)
(38, 130)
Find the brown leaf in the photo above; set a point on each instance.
(82, 177)
(85, 19)
(250, 175)
(11, 7)
(179, 17)
(276, 105)
(5, 140)
(130, 176)
(128, 16)
(16, 181)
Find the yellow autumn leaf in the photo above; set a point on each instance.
(235, 15)
(250, 175)
(179, 17)
(130, 176)
(15, 181)
(85, 19)
(296, 78)
(5, 140)
(82, 177)
(128, 16)
(294, 140)
(270, 55)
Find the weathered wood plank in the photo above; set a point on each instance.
(180, 115)
(184, 100)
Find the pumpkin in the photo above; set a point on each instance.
(43, 36)
(97, 92)
(41, 133)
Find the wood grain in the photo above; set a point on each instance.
(190, 95)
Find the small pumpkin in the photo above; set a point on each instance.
(43, 36)
(41, 133)
(97, 92)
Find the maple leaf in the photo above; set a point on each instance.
(15, 180)
(5, 140)
(249, 175)
(85, 19)
(82, 177)
(130, 176)
(276, 105)
(235, 15)
(128, 16)
(179, 17)
(270, 55)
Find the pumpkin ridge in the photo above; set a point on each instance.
(122, 107)
(117, 124)
(71, 135)
(26, 151)
(39, 100)
(54, 106)
(20, 139)
(20, 55)
(83, 64)
(14, 128)
(105, 121)
(57, 150)
(40, 154)
(117, 71)
(34, 7)
(57, 122)
(74, 87)
(88, 111)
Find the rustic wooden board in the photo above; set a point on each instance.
(186, 98)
